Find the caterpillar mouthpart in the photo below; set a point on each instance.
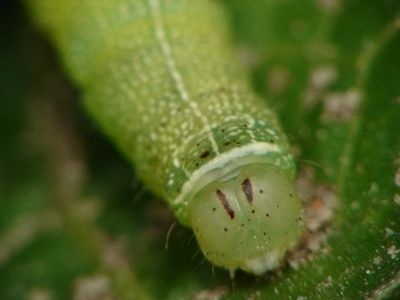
(247, 218)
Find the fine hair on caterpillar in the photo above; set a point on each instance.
(160, 79)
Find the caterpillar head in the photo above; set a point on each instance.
(247, 219)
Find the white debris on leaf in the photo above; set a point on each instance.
(340, 107)
(377, 260)
(320, 79)
(40, 294)
(396, 199)
(212, 294)
(392, 251)
(320, 202)
(93, 288)
(323, 76)
(329, 6)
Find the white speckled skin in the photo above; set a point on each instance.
(160, 79)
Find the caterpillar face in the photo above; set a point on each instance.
(247, 218)
(159, 78)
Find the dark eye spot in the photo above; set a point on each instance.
(224, 201)
(247, 190)
(225, 229)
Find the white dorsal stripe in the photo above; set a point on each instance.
(173, 70)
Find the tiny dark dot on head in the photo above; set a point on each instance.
(245, 125)
(261, 191)
(277, 205)
(264, 233)
(227, 143)
(271, 141)
(197, 164)
(214, 209)
(237, 143)
(267, 214)
(253, 211)
(222, 130)
(198, 144)
(205, 154)
(242, 225)
(225, 229)
(290, 195)
(177, 189)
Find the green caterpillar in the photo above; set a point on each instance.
(160, 79)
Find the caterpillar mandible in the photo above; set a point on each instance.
(160, 79)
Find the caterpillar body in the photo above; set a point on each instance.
(160, 79)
